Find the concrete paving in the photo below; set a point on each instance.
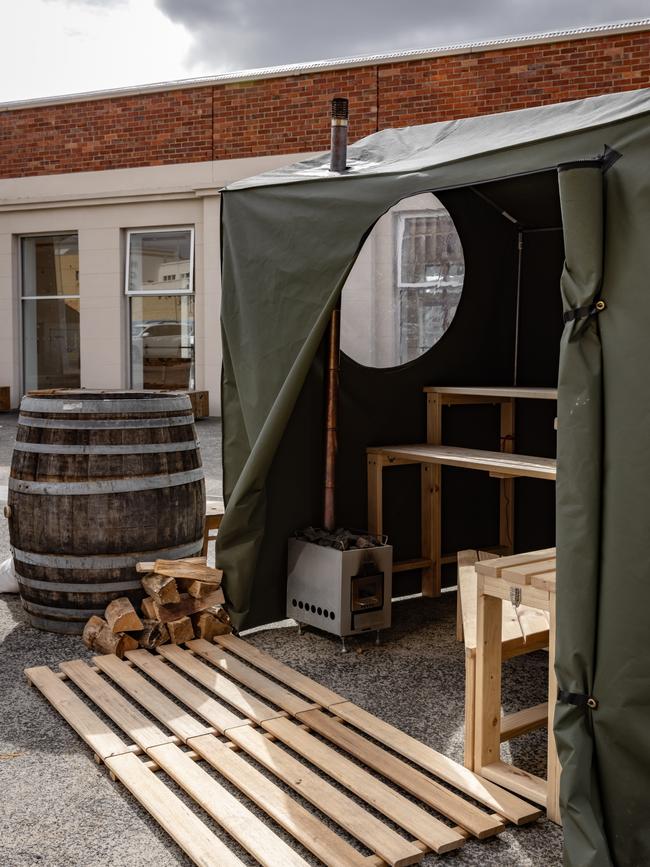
(57, 807)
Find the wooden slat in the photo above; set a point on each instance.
(441, 799)
(293, 679)
(249, 831)
(502, 802)
(164, 709)
(529, 466)
(247, 704)
(290, 815)
(547, 582)
(524, 574)
(143, 732)
(525, 784)
(493, 568)
(495, 391)
(215, 714)
(373, 833)
(408, 565)
(376, 793)
(251, 678)
(94, 731)
(527, 720)
(192, 835)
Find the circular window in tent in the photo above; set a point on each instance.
(404, 288)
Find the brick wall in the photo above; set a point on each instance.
(290, 114)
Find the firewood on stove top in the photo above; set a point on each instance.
(180, 630)
(161, 588)
(120, 615)
(148, 565)
(153, 635)
(187, 605)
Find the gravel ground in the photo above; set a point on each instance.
(57, 807)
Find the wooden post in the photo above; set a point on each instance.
(431, 484)
(487, 732)
(375, 507)
(507, 486)
(331, 419)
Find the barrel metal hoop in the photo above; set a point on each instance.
(106, 486)
(64, 627)
(145, 404)
(97, 561)
(135, 449)
(104, 424)
(82, 614)
(62, 587)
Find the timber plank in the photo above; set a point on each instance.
(94, 731)
(288, 813)
(502, 802)
(446, 802)
(391, 803)
(251, 678)
(494, 567)
(247, 704)
(143, 732)
(216, 714)
(373, 833)
(249, 831)
(293, 679)
(191, 834)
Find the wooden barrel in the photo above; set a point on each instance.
(100, 481)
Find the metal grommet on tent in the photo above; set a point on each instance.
(584, 312)
(601, 305)
(592, 702)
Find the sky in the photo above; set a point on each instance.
(54, 47)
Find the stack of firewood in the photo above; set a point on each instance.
(184, 600)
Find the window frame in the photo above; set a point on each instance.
(22, 298)
(142, 293)
(158, 230)
(401, 217)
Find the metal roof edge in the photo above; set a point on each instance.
(316, 66)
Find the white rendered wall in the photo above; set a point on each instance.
(101, 206)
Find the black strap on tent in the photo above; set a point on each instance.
(578, 699)
(583, 312)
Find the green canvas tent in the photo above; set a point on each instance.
(552, 205)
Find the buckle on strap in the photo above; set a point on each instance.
(577, 699)
(584, 312)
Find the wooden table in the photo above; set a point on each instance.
(495, 463)
(532, 577)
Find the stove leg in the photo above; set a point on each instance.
(343, 646)
(378, 639)
(299, 628)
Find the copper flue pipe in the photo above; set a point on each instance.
(331, 419)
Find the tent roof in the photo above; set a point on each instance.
(417, 148)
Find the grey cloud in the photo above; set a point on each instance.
(237, 34)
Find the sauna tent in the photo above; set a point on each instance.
(573, 181)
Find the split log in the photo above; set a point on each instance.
(149, 608)
(180, 630)
(207, 626)
(153, 635)
(220, 613)
(162, 588)
(191, 571)
(91, 630)
(198, 589)
(188, 605)
(120, 616)
(148, 565)
(110, 642)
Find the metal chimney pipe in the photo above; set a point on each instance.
(339, 156)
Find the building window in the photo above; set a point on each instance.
(402, 293)
(159, 289)
(50, 311)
